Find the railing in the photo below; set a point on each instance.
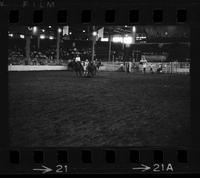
(167, 67)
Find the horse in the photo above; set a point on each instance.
(70, 65)
(91, 70)
(97, 64)
(77, 67)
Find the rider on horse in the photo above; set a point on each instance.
(87, 68)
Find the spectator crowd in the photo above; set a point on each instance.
(17, 56)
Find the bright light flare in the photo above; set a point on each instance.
(42, 36)
(94, 33)
(104, 39)
(10, 35)
(133, 29)
(35, 29)
(51, 37)
(59, 30)
(117, 39)
(128, 40)
(21, 36)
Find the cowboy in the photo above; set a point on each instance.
(127, 67)
(78, 59)
(130, 66)
(82, 63)
(159, 70)
(151, 68)
(144, 64)
(85, 67)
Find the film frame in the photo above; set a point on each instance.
(101, 160)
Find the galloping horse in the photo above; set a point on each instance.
(91, 69)
(77, 67)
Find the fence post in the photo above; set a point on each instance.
(109, 48)
(27, 48)
(58, 46)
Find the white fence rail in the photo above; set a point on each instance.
(35, 67)
(167, 67)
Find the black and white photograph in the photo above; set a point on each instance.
(99, 86)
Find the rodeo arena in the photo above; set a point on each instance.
(99, 85)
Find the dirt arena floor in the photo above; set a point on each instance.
(57, 109)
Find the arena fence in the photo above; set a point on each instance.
(167, 67)
(35, 67)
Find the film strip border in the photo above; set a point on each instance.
(159, 13)
(88, 16)
(97, 160)
(85, 160)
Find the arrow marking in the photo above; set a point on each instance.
(44, 170)
(143, 168)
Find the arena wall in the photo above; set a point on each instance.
(106, 66)
(35, 68)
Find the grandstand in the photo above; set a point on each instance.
(49, 47)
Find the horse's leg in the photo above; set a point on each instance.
(95, 71)
(91, 72)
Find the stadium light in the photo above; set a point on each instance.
(117, 39)
(34, 29)
(140, 37)
(42, 36)
(133, 29)
(10, 35)
(51, 37)
(59, 30)
(94, 33)
(128, 40)
(21, 36)
(104, 39)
